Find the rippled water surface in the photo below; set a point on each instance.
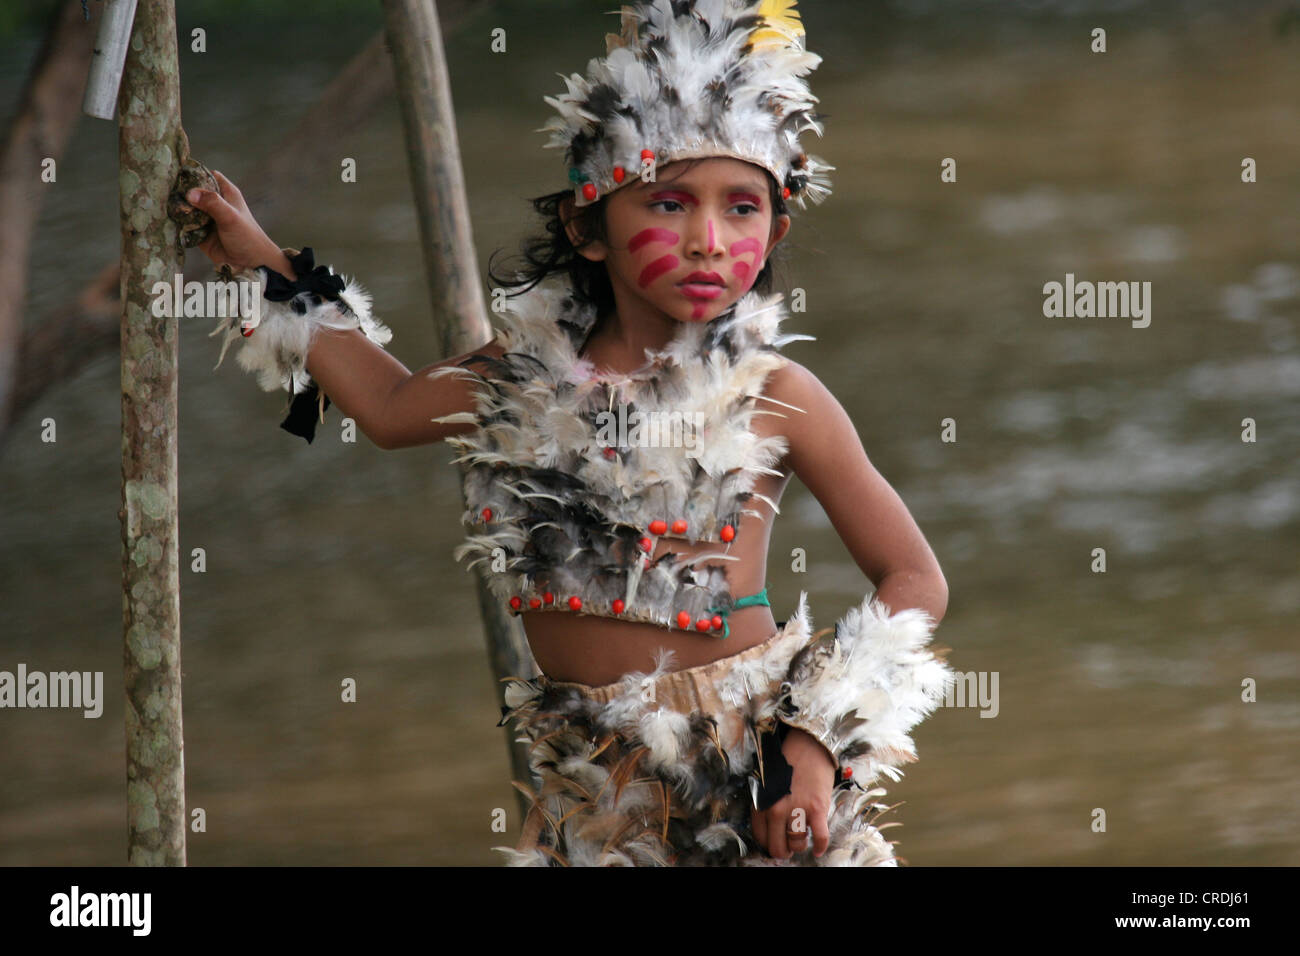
(1119, 690)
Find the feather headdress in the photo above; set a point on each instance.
(688, 79)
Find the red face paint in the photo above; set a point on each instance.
(655, 269)
(746, 272)
(686, 199)
(710, 235)
(647, 236)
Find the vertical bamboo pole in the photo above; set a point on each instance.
(424, 88)
(149, 141)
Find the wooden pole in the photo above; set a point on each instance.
(150, 144)
(424, 92)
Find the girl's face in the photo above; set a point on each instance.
(692, 242)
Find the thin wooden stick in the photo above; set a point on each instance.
(459, 312)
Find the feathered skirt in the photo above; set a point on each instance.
(665, 768)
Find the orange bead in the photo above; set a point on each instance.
(658, 526)
(618, 605)
(516, 603)
(575, 603)
(487, 514)
(683, 619)
(588, 191)
(647, 154)
(785, 193)
(702, 624)
(679, 526)
(727, 532)
(847, 772)
(645, 544)
(717, 622)
(548, 597)
(534, 603)
(619, 174)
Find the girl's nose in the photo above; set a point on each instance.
(702, 236)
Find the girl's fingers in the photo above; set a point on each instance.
(821, 834)
(210, 202)
(230, 191)
(777, 817)
(758, 823)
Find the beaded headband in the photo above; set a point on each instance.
(689, 79)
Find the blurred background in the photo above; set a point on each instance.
(1119, 690)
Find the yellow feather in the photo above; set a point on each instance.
(781, 24)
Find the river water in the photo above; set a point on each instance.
(1119, 692)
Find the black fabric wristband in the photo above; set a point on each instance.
(777, 772)
(303, 416)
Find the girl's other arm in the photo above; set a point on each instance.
(391, 405)
(869, 516)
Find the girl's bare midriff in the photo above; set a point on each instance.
(599, 650)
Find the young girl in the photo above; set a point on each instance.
(628, 434)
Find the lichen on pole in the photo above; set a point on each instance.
(150, 148)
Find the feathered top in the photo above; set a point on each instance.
(691, 78)
(571, 478)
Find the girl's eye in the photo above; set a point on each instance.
(667, 202)
(749, 207)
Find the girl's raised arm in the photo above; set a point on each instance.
(318, 331)
(869, 516)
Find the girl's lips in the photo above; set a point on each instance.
(701, 290)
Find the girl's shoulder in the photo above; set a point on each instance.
(809, 416)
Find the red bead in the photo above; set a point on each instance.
(846, 772)
(516, 603)
(679, 526)
(575, 603)
(619, 174)
(610, 452)
(727, 532)
(588, 191)
(658, 526)
(683, 619)
(618, 605)
(785, 193)
(702, 624)
(487, 514)
(534, 603)
(647, 154)
(717, 622)
(548, 597)
(645, 544)
(246, 332)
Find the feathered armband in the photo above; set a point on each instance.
(862, 689)
(284, 322)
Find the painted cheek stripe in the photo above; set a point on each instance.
(746, 271)
(655, 269)
(646, 236)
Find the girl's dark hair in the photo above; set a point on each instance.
(555, 253)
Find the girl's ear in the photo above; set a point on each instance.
(779, 229)
(595, 250)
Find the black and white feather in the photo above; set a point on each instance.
(694, 78)
(566, 514)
